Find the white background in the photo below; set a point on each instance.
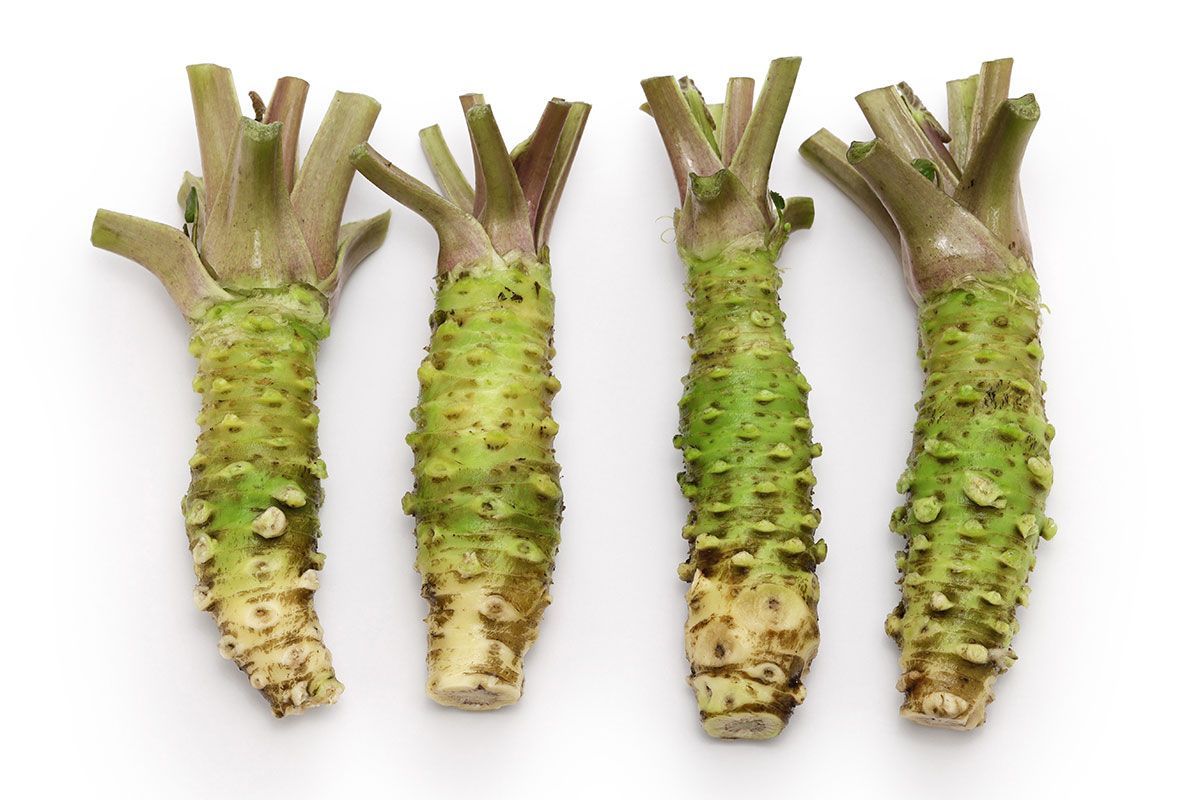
(114, 686)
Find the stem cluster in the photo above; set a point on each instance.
(721, 156)
(949, 201)
(511, 207)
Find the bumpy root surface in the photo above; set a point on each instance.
(745, 434)
(487, 498)
(976, 481)
(251, 510)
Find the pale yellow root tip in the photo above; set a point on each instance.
(472, 692)
(468, 668)
(744, 725)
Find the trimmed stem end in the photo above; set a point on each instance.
(860, 150)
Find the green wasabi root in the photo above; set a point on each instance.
(260, 259)
(976, 482)
(251, 510)
(746, 438)
(745, 430)
(487, 498)
(979, 471)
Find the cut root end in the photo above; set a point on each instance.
(472, 661)
(297, 700)
(472, 692)
(741, 707)
(744, 725)
(945, 709)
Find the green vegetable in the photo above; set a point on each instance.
(487, 498)
(979, 471)
(260, 261)
(745, 431)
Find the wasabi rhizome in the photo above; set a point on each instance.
(255, 269)
(487, 499)
(745, 431)
(950, 204)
